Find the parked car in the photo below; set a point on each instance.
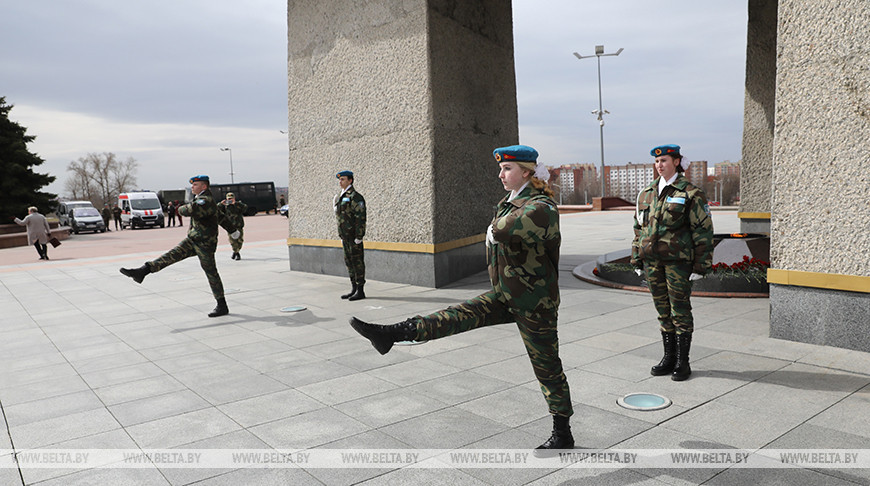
(65, 208)
(86, 219)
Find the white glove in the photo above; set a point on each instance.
(695, 276)
(357, 241)
(638, 271)
(235, 235)
(490, 237)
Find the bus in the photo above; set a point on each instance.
(259, 196)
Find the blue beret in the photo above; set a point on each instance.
(345, 173)
(515, 153)
(673, 150)
(203, 178)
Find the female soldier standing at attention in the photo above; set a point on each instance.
(673, 236)
(523, 253)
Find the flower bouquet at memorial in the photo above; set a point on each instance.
(752, 269)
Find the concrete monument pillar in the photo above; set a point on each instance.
(758, 115)
(820, 188)
(412, 96)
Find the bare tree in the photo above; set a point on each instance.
(730, 189)
(99, 178)
(78, 185)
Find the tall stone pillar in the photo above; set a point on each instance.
(412, 96)
(820, 199)
(758, 116)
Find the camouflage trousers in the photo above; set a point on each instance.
(187, 249)
(355, 261)
(670, 287)
(538, 333)
(237, 244)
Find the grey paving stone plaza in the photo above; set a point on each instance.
(94, 361)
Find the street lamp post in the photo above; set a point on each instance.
(227, 149)
(599, 52)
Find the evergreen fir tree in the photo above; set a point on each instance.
(19, 184)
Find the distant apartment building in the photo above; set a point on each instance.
(626, 181)
(572, 178)
(697, 173)
(726, 169)
(566, 179)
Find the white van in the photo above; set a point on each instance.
(64, 210)
(140, 209)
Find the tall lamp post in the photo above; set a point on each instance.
(227, 149)
(599, 52)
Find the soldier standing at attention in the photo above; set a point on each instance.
(234, 211)
(523, 252)
(201, 241)
(350, 211)
(673, 238)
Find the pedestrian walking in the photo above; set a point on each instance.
(170, 214)
(106, 213)
(350, 212)
(38, 231)
(522, 246)
(116, 214)
(673, 241)
(178, 213)
(201, 241)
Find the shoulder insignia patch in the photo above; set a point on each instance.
(200, 201)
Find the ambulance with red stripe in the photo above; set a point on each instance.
(140, 210)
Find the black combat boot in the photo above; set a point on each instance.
(221, 309)
(359, 294)
(682, 369)
(669, 360)
(137, 274)
(383, 337)
(561, 438)
(352, 291)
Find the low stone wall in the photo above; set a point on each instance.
(12, 235)
(605, 203)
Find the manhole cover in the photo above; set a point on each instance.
(644, 401)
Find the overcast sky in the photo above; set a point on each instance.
(169, 82)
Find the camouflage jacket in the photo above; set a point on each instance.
(673, 226)
(203, 214)
(350, 211)
(234, 213)
(524, 262)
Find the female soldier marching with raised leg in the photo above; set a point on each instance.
(523, 253)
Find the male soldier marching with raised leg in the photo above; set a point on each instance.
(234, 211)
(350, 211)
(201, 241)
